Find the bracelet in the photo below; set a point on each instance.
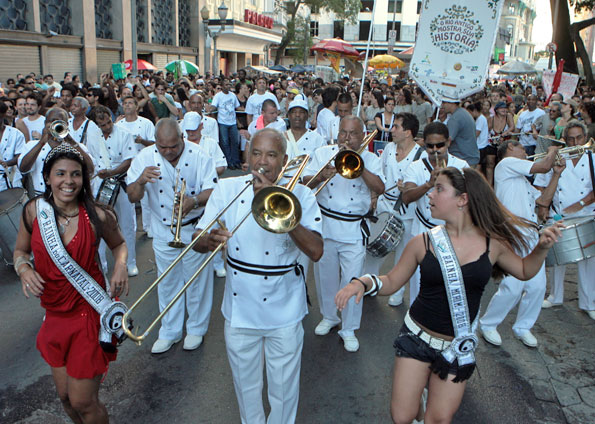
(376, 285)
(362, 283)
(21, 260)
(195, 202)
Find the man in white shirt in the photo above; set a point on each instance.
(525, 121)
(34, 121)
(153, 174)
(482, 133)
(573, 197)
(326, 117)
(12, 142)
(419, 182)
(268, 119)
(121, 149)
(210, 127)
(518, 195)
(192, 128)
(344, 204)
(226, 103)
(265, 293)
(301, 140)
(255, 101)
(422, 109)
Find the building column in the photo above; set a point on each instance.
(233, 62)
(86, 28)
(176, 19)
(122, 27)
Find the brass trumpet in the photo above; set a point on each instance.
(276, 210)
(176, 219)
(571, 152)
(348, 163)
(59, 129)
(439, 163)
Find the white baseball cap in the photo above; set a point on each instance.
(298, 103)
(191, 121)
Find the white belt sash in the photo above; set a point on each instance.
(110, 311)
(465, 341)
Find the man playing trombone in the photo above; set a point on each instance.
(344, 203)
(265, 292)
(155, 172)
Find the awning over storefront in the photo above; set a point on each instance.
(242, 37)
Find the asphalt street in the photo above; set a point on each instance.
(554, 383)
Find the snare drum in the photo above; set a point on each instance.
(576, 244)
(11, 208)
(385, 234)
(108, 191)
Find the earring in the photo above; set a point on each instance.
(460, 208)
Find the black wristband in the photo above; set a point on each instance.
(363, 284)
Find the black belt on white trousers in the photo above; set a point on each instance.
(340, 216)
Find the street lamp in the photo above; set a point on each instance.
(204, 14)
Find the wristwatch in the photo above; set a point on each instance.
(582, 203)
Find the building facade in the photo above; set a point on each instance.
(86, 36)
(514, 40)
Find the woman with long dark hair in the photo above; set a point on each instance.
(477, 242)
(62, 229)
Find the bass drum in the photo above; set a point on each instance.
(385, 234)
(576, 244)
(11, 208)
(108, 191)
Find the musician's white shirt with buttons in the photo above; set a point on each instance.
(512, 188)
(35, 171)
(210, 127)
(324, 124)
(196, 167)
(120, 146)
(95, 142)
(211, 147)
(142, 127)
(13, 141)
(573, 185)
(344, 195)
(255, 301)
(306, 144)
(419, 174)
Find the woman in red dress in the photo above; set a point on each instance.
(69, 336)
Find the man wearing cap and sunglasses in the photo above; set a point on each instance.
(301, 140)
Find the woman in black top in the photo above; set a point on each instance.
(484, 236)
(385, 120)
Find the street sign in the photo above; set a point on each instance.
(392, 39)
(551, 47)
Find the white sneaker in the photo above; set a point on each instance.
(395, 299)
(323, 327)
(192, 342)
(132, 271)
(546, 304)
(591, 314)
(163, 345)
(350, 343)
(220, 272)
(527, 338)
(492, 337)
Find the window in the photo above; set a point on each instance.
(389, 27)
(511, 9)
(313, 28)
(364, 29)
(367, 6)
(338, 30)
(419, 3)
(314, 9)
(395, 6)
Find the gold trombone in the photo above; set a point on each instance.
(348, 163)
(570, 152)
(176, 218)
(275, 209)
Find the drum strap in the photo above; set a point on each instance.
(592, 168)
(463, 345)
(83, 139)
(110, 311)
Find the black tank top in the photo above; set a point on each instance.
(430, 308)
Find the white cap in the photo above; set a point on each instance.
(191, 121)
(298, 103)
(200, 81)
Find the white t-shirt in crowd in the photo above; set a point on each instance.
(255, 101)
(524, 125)
(226, 105)
(481, 124)
(36, 125)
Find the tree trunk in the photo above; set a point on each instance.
(562, 35)
(575, 30)
(288, 36)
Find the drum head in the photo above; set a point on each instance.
(10, 197)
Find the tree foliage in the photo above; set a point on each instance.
(345, 10)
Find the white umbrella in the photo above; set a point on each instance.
(515, 67)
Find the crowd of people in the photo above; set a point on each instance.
(469, 202)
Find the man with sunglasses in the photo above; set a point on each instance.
(419, 182)
(573, 197)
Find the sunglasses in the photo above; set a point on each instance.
(436, 145)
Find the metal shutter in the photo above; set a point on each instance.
(159, 60)
(64, 60)
(190, 59)
(171, 57)
(19, 60)
(105, 58)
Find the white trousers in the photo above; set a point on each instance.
(338, 265)
(372, 264)
(146, 213)
(528, 294)
(197, 300)
(127, 221)
(586, 284)
(281, 349)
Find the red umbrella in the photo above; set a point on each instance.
(141, 65)
(336, 45)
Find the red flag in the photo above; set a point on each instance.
(557, 80)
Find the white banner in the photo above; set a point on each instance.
(567, 86)
(455, 41)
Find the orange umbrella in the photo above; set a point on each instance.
(383, 61)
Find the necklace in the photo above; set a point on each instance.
(62, 226)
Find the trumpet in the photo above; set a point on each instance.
(274, 208)
(439, 163)
(571, 152)
(59, 129)
(176, 219)
(348, 163)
